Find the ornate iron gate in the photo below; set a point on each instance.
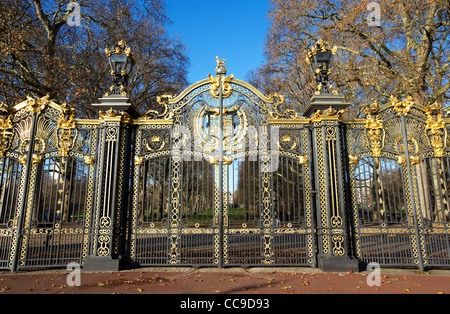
(220, 175)
(218, 180)
(47, 179)
(399, 181)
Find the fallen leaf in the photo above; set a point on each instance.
(285, 288)
(4, 289)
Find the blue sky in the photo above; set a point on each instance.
(234, 30)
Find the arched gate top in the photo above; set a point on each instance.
(230, 87)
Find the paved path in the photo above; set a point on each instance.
(263, 281)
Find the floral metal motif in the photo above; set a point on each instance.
(436, 129)
(6, 129)
(66, 130)
(402, 107)
(375, 130)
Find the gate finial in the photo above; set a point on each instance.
(221, 69)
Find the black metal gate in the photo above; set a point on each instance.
(216, 182)
(400, 174)
(220, 175)
(47, 179)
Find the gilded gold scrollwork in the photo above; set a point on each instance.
(437, 132)
(36, 106)
(303, 160)
(89, 160)
(6, 130)
(66, 130)
(37, 158)
(221, 77)
(276, 112)
(166, 114)
(376, 134)
(353, 159)
(401, 160)
(215, 84)
(338, 248)
(402, 107)
(138, 161)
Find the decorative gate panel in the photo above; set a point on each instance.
(47, 183)
(215, 185)
(399, 170)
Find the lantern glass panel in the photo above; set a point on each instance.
(324, 60)
(118, 62)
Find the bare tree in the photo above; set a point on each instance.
(41, 54)
(407, 54)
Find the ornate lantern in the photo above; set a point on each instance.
(321, 60)
(121, 62)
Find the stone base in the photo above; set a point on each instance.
(323, 102)
(97, 264)
(118, 103)
(338, 264)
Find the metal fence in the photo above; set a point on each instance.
(220, 176)
(400, 185)
(47, 184)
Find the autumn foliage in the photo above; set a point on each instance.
(41, 54)
(408, 54)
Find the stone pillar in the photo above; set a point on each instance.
(111, 198)
(331, 183)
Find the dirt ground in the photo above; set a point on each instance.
(253, 281)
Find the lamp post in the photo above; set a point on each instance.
(113, 158)
(331, 200)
